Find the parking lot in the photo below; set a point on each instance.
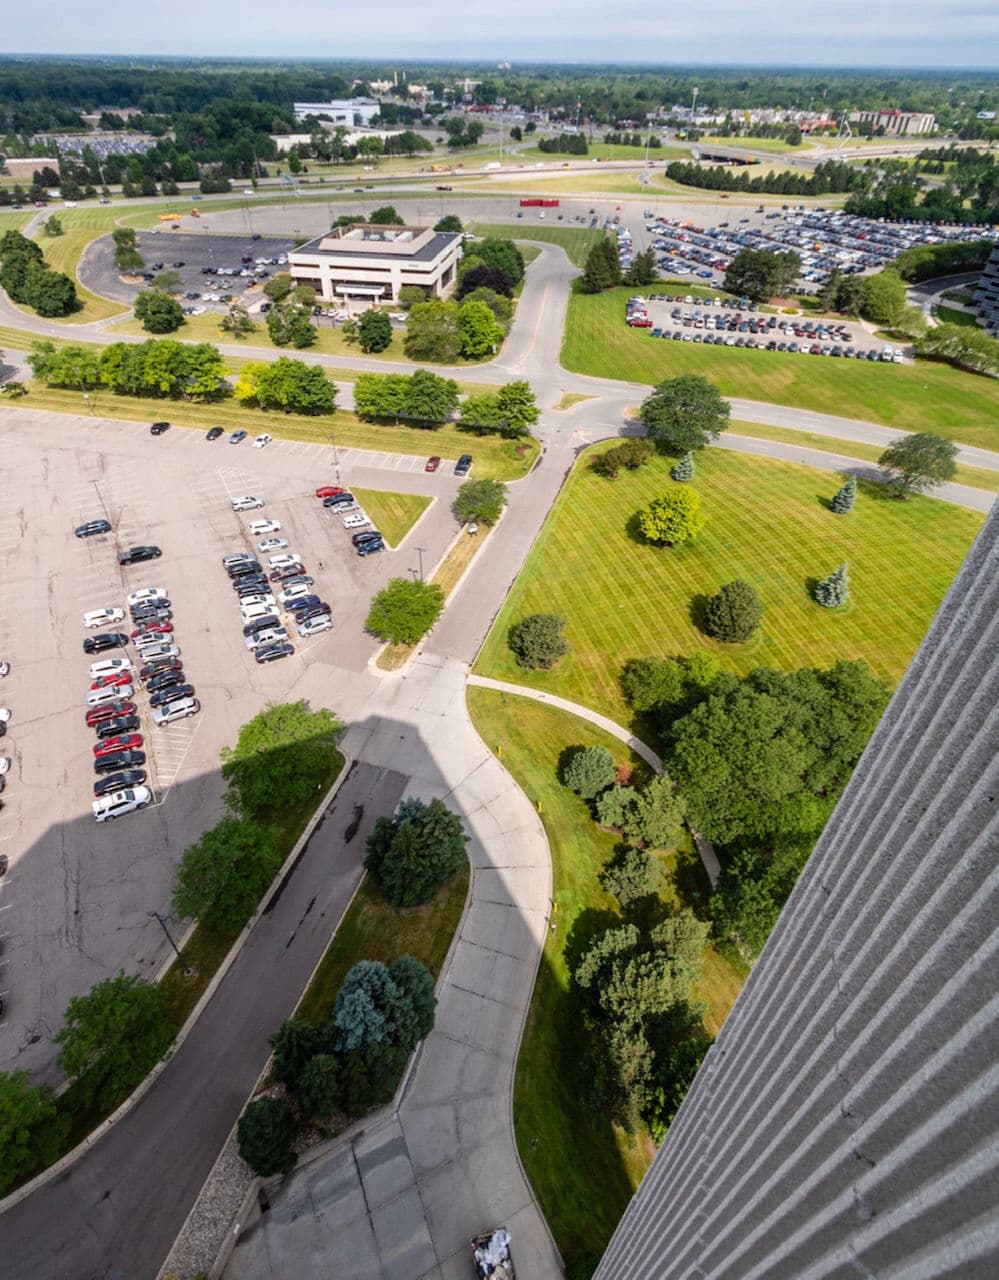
(74, 904)
(195, 252)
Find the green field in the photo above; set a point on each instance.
(582, 1168)
(920, 397)
(393, 513)
(576, 241)
(768, 523)
(495, 458)
(605, 151)
(954, 315)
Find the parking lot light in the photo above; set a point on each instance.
(156, 915)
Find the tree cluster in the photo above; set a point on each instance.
(160, 368)
(511, 411)
(762, 273)
(629, 455)
(349, 1062)
(825, 178)
(422, 399)
(411, 855)
(289, 324)
(404, 611)
(28, 279)
(564, 144)
(126, 250)
(962, 346)
(443, 332)
(291, 385)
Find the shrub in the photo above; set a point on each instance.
(683, 471)
(845, 497)
(294, 1044)
(538, 641)
(318, 1086)
(404, 611)
(481, 501)
(834, 590)
(412, 855)
(632, 877)
(673, 518)
(266, 1137)
(589, 771)
(734, 613)
(653, 814)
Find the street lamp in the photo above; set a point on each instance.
(155, 915)
(419, 552)
(336, 456)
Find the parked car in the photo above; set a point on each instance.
(113, 726)
(432, 463)
(302, 602)
(118, 761)
(297, 580)
(237, 436)
(296, 591)
(101, 643)
(366, 535)
(145, 594)
(155, 666)
(157, 611)
(272, 652)
(320, 610)
(158, 428)
(340, 501)
(112, 680)
(136, 555)
(213, 433)
(315, 625)
(152, 627)
(109, 709)
(285, 571)
(268, 635)
(91, 527)
(370, 547)
(121, 802)
(356, 520)
(236, 557)
(117, 781)
(102, 617)
(157, 648)
(258, 528)
(247, 502)
(173, 694)
(177, 710)
(109, 666)
(260, 441)
(283, 560)
(121, 742)
(165, 680)
(272, 544)
(463, 465)
(328, 491)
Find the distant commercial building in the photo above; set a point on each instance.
(896, 124)
(846, 1121)
(348, 111)
(987, 293)
(372, 263)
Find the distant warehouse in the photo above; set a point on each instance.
(346, 111)
(896, 124)
(372, 262)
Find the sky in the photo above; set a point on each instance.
(890, 33)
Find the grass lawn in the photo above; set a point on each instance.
(373, 930)
(571, 398)
(953, 315)
(768, 523)
(605, 151)
(495, 458)
(576, 241)
(582, 1168)
(977, 477)
(393, 513)
(921, 397)
(62, 253)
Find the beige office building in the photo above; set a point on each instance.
(368, 262)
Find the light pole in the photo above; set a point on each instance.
(100, 499)
(155, 915)
(419, 552)
(336, 456)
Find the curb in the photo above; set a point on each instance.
(142, 1088)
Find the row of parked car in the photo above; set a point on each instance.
(5, 718)
(366, 541)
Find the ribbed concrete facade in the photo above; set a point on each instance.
(987, 293)
(845, 1123)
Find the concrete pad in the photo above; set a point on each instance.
(403, 1239)
(476, 1020)
(384, 1165)
(500, 928)
(433, 1132)
(500, 973)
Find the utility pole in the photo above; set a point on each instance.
(156, 915)
(419, 552)
(100, 499)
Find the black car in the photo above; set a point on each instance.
(158, 428)
(151, 611)
(171, 695)
(214, 433)
(115, 782)
(321, 610)
(244, 568)
(91, 527)
(345, 499)
(105, 641)
(258, 624)
(463, 465)
(297, 580)
(117, 724)
(165, 680)
(368, 548)
(252, 587)
(366, 535)
(156, 666)
(302, 604)
(120, 760)
(271, 652)
(136, 555)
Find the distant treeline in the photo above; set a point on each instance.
(828, 177)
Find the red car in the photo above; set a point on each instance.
(152, 628)
(432, 463)
(287, 571)
(117, 708)
(124, 742)
(327, 491)
(115, 678)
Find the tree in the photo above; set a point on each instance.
(449, 222)
(884, 298)
(410, 295)
(630, 454)
(480, 414)
(653, 813)
(237, 322)
(432, 332)
(588, 771)
(30, 1129)
(404, 611)
(167, 282)
(634, 877)
(502, 254)
(287, 384)
(684, 413)
(913, 464)
(279, 286)
(844, 497)
(834, 590)
(13, 244)
(266, 1136)
(318, 1087)
(477, 275)
(643, 270)
(480, 501)
(290, 324)
(221, 878)
(52, 225)
(683, 471)
(112, 1037)
(761, 273)
(478, 332)
(412, 855)
(672, 1077)
(374, 331)
(417, 985)
(294, 1044)
(498, 304)
(602, 269)
(281, 758)
(517, 407)
(429, 398)
(538, 641)
(387, 216)
(68, 366)
(672, 518)
(734, 613)
(158, 312)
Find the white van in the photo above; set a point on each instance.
(107, 808)
(356, 520)
(110, 693)
(109, 666)
(251, 612)
(178, 710)
(156, 647)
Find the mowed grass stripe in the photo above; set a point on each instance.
(767, 522)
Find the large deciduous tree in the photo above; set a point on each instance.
(280, 758)
(432, 332)
(404, 611)
(158, 312)
(222, 877)
(374, 331)
(30, 1128)
(480, 501)
(913, 464)
(684, 413)
(762, 273)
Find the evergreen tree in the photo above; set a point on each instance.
(411, 856)
(684, 469)
(603, 268)
(589, 771)
(538, 641)
(844, 498)
(834, 590)
(266, 1137)
(734, 613)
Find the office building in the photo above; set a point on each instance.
(373, 262)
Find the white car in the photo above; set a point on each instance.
(272, 544)
(102, 617)
(259, 527)
(156, 647)
(4, 669)
(356, 520)
(261, 440)
(270, 636)
(110, 693)
(4, 765)
(295, 593)
(108, 666)
(176, 710)
(254, 612)
(4, 715)
(146, 594)
(262, 597)
(247, 502)
(283, 560)
(313, 626)
(107, 808)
